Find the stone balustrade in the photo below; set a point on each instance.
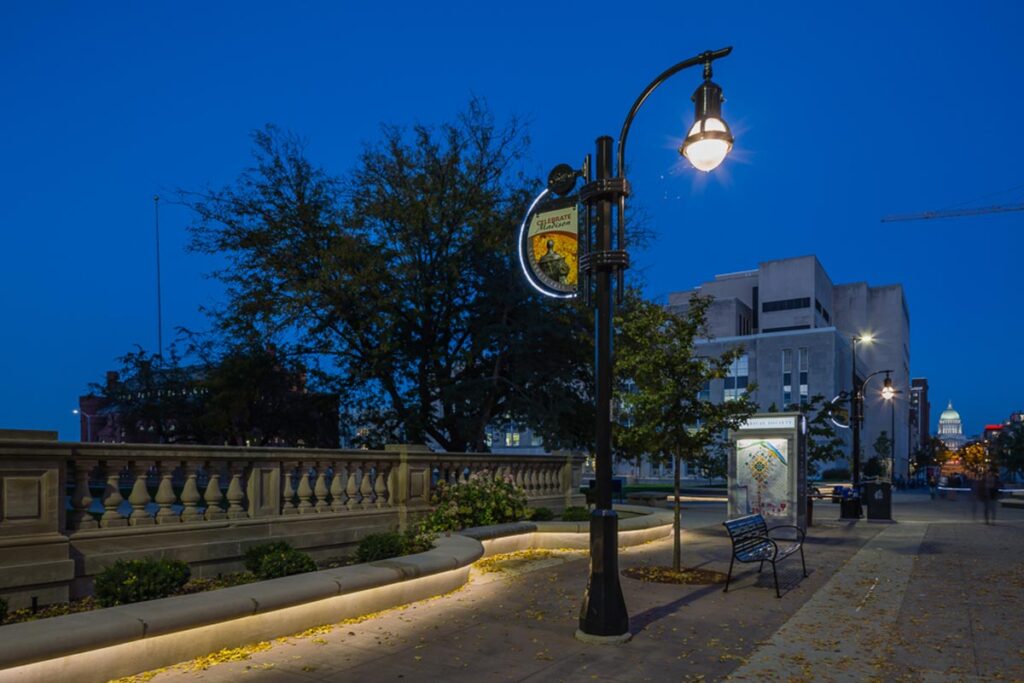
(206, 504)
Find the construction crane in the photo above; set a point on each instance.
(952, 213)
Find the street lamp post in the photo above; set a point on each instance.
(603, 616)
(856, 413)
(889, 394)
(88, 423)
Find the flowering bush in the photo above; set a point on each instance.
(480, 501)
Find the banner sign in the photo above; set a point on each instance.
(769, 423)
(549, 245)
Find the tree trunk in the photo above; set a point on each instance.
(676, 530)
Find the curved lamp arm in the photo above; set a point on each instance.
(703, 58)
(865, 382)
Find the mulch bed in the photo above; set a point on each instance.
(685, 576)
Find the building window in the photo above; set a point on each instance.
(803, 376)
(786, 304)
(738, 378)
(787, 377)
(822, 310)
(705, 392)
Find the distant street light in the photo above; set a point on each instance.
(889, 393)
(88, 422)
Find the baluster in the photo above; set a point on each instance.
(339, 480)
(112, 497)
(305, 491)
(365, 487)
(212, 495)
(288, 490)
(392, 486)
(462, 475)
(165, 497)
(190, 497)
(531, 481)
(81, 499)
(380, 487)
(320, 489)
(139, 497)
(352, 487)
(545, 479)
(236, 494)
(519, 479)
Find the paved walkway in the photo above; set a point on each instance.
(933, 597)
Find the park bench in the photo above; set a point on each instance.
(752, 542)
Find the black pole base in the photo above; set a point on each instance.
(604, 610)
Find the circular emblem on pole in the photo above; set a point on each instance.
(562, 179)
(549, 245)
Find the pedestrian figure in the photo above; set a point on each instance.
(990, 487)
(932, 485)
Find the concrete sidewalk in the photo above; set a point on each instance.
(932, 597)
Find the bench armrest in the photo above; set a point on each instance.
(789, 526)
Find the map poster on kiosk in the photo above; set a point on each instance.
(768, 469)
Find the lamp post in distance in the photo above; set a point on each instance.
(856, 417)
(88, 422)
(889, 393)
(603, 260)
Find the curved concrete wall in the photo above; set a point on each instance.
(132, 638)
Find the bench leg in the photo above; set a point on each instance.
(729, 577)
(775, 575)
(760, 567)
(802, 563)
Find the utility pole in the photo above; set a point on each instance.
(159, 306)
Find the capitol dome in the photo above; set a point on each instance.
(951, 429)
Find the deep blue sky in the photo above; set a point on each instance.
(843, 112)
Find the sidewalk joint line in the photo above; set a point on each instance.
(868, 594)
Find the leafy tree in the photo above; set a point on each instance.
(1009, 448)
(669, 420)
(974, 457)
(154, 399)
(823, 442)
(255, 396)
(402, 278)
(882, 445)
(242, 396)
(931, 453)
(713, 461)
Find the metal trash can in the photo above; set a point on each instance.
(849, 505)
(878, 496)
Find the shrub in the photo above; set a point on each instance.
(576, 514)
(394, 544)
(836, 474)
(380, 547)
(542, 515)
(253, 557)
(3, 610)
(128, 581)
(418, 539)
(480, 501)
(284, 562)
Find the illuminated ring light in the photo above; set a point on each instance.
(523, 255)
(837, 424)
